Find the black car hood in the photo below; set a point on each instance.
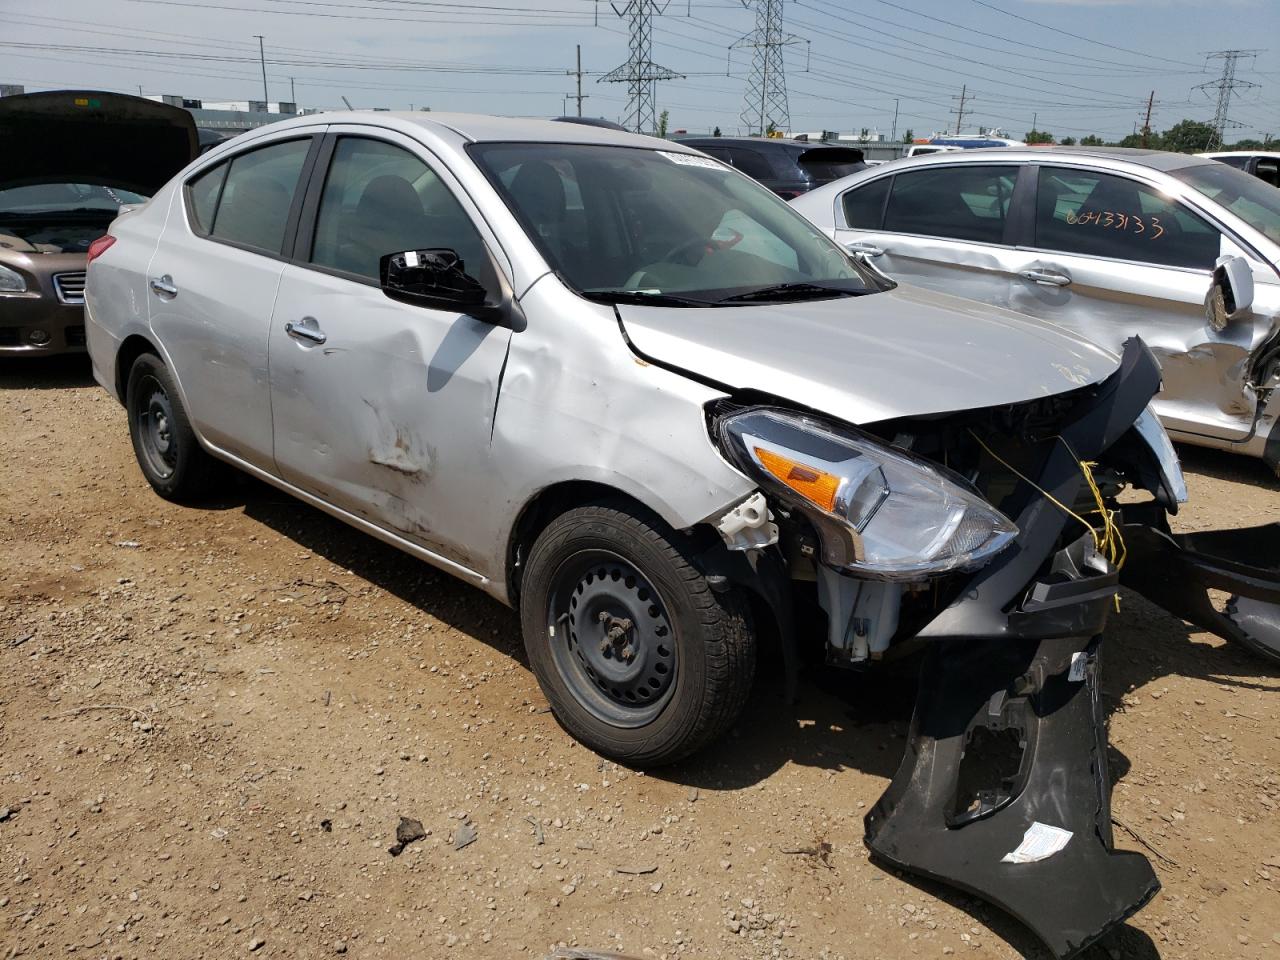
(87, 136)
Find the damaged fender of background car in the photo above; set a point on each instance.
(1008, 731)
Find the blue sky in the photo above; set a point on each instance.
(1079, 66)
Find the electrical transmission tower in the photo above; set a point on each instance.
(766, 104)
(1226, 85)
(640, 73)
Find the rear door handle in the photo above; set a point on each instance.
(1044, 278)
(867, 249)
(164, 286)
(306, 329)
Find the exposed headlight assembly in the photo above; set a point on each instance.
(11, 281)
(879, 512)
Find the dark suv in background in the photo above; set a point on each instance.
(787, 167)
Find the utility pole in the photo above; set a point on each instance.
(579, 96)
(1035, 121)
(1226, 85)
(766, 101)
(893, 134)
(1146, 124)
(959, 111)
(262, 58)
(293, 94)
(640, 73)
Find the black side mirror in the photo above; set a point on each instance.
(438, 279)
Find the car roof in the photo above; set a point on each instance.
(775, 143)
(1161, 160)
(480, 128)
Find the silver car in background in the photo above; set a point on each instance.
(626, 389)
(1109, 243)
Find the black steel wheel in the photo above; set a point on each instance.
(168, 451)
(639, 658)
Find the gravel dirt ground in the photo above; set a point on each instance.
(212, 721)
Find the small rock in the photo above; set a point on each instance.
(656, 887)
(340, 946)
(464, 836)
(407, 831)
(257, 943)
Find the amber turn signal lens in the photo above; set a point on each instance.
(814, 485)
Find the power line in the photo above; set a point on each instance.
(640, 73)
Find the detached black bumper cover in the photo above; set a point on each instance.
(952, 813)
(1008, 735)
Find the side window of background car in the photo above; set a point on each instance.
(864, 205)
(1103, 215)
(378, 199)
(959, 203)
(253, 208)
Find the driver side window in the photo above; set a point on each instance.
(378, 199)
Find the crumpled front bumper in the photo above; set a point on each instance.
(1004, 790)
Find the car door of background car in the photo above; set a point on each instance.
(1110, 257)
(382, 408)
(941, 226)
(212, 285)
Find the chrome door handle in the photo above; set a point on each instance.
(1045, 279)
(163, 286)
(867, 249)
(306, 329)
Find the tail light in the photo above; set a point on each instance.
(98, 248)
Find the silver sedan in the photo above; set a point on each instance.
(1108, 243)
(628, 390)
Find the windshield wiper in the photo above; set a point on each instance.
(647, 297)
(791, 291)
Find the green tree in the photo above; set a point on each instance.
(771, 129)
(715, 132)
(1248, 144)
(908, 135)
(1038, 136)
(1188, 136)
(1068, 141)
(662, 123)
(1092, 140)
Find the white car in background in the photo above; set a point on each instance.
(1109, 243)
(1262, 164)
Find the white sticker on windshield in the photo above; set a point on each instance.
(1040, 842)
(692, 160)
(411, 258)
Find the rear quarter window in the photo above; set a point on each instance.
(864, 205)
(202, 195)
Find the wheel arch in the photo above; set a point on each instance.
(133, 346)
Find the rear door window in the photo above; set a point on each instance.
(750, 162)
(204, 191)
(864, 205)
(1104, 215)
(966, 202)
(253, 209)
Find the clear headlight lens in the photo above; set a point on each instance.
(11, 281)
(878, 511)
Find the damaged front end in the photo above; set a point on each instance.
(991, 542)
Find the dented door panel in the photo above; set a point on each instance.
(974, 271)
(389, 418)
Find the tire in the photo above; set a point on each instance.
(639, 658)
(166, 447)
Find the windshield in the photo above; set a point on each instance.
(64, 198)
(1254, 201)
(631, 223)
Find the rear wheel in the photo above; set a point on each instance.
(640, 659)
(170, 456)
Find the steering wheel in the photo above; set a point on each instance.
(683, 252)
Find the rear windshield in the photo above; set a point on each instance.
(824, 164)
(1252, 200)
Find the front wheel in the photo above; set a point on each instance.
(639, 658)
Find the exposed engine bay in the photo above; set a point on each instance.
(1004, 789)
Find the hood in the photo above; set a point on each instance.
(906, 352)
(87, 136)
